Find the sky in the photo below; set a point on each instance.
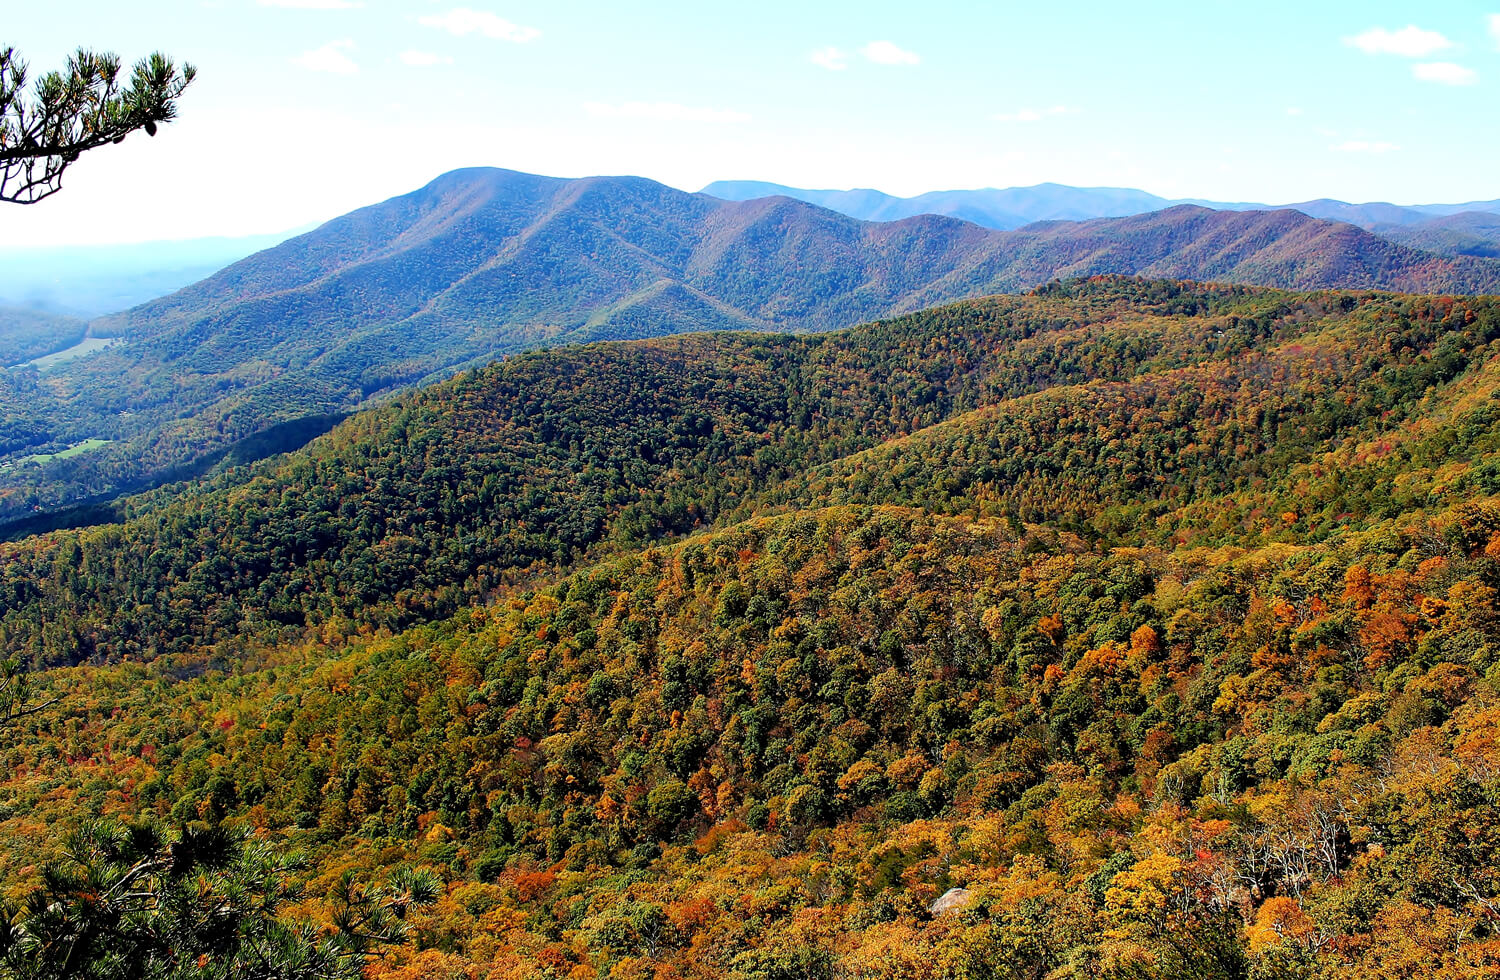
(307, 109)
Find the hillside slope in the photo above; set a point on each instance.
(1161, 619)
(1475, 233)
(546, 460)
(1286, 249)
(483, 263)
(26, 334)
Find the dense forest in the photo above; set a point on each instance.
(1160, 620)
(434, 503)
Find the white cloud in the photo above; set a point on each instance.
(1364, 146)
(424, 59)
(330, 58)
(886, 53)
(461, 21)
(1409, 42)
(1293, 110)
(666, 111)
(313, 4)
(1444, 73)
(831, 58)
(1495, 28)
(1034, 115)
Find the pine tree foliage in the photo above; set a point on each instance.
(133, 901)
(71, 112)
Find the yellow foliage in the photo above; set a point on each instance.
(1278, 921)
(859, 772)
(427, 965)
(906, 772)
(1146, 887)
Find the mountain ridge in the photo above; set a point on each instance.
(1475, 233)
(663, 435)
(1009, 208)
(482, 263)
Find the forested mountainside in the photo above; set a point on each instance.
(418, 509)
(477, 264)
(1278, 248)
(26, 334)
(1473, 233)
(483, 263)
(1161, 619)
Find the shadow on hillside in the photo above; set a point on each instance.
(106, 509)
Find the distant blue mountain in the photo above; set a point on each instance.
(92, 280)
(990, 207)
(1016, 207)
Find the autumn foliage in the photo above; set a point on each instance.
(1173, 639)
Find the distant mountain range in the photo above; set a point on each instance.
(1015, 207)
(482, 263)
(92, 280)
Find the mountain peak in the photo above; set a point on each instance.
(483, 262)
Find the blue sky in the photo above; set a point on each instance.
(305, 109)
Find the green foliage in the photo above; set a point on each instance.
(131, 901)
(1163, 620)
(550, 458)
(74, 111)
(16, 701)
(26, 334)
(482, 264)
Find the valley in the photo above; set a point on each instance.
(78, 449)
(84, 347)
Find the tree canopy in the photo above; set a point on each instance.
(1159, 621)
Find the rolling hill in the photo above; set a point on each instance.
(1120, 629)
(486, 263)
(28, 334)
(538, 462)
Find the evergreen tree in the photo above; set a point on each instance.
(134, 901)
(83, 108)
